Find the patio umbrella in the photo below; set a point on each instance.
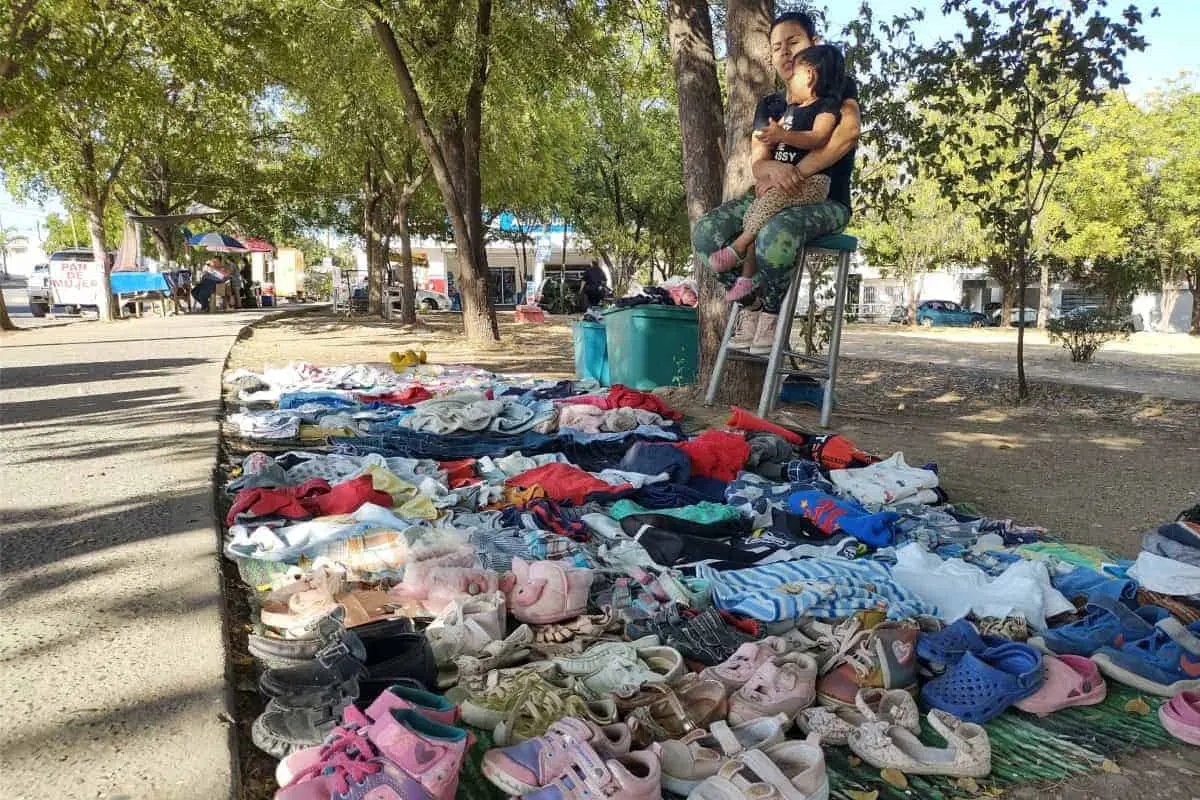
(217, 242)
(257, 245)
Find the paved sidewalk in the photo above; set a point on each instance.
(110, 640)
(1160, 365)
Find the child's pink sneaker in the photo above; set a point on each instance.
(724, 260)
(742, 287)
(548, 591)
(355, 723)
(530, 765)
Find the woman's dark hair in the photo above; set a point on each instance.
(801, 18)
(830, 66)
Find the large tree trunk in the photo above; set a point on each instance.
(748, 76)
(1043, 298)
(700, 118)
(479, 316)
(6, 323)
(373, 238)
(104, 295)
(408, 289)
(1022, 285)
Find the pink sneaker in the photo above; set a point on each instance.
(636, 776)
(745, 661)
(724, 260)
(548, 591)
(1181, 717)
(742, 287)
(777, 687)
(530, 765)
(355, 723)
(1069, 681)
(403, 756)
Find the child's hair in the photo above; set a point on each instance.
(830, 66)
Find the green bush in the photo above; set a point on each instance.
(1083, 334)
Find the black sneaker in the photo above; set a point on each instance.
(332, 673)
(401, 658)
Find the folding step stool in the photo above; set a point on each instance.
(843, 246)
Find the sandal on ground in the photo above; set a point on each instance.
(968, 751)
(1068, 681)
(979, 687)
(1181, 717)
(834, 725)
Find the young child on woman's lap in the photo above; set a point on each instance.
(814, 91)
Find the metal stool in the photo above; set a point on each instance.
(841, 244)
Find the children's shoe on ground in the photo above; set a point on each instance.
(1181, 717)
(658, 713)
(699, 755)
(803, 762)
(968, 751)
(775, 688)
(1108, 623)
(621, 668)
(1164, 663)
(335, 670)
(281, 731)
(883, 657)
(634, 776)
(947, 646)
(834, 725)
(753, 774)
(526, 767)
(548, 591)
(1068, 681)
(355, 723)
(409, 757)
(980, 687)
(399, 658)
(741, 666)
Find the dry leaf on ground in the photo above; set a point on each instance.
(857, 795)
(894, 777)
(1110, 766)
(1137, 706)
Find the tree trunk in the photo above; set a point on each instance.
(748, 76)
(479, 316)
(1022, 285)
(1043, 298)
(1193, 279)
(104, 296)
(162, 243)
(408, 289)
(1007, 303)
(700, 119)
(6, 323)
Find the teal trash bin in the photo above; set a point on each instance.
(651, 345)
(591, 351)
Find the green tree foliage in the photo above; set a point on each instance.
(1029, 69)
(922, 232)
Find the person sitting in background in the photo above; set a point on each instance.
(211, 277)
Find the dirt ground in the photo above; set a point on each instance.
(1093, 466)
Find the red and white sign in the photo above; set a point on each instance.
(75, 283)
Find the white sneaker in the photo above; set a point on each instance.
(747, 324)
(764, 334)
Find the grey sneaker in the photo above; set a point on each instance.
(279, 653)
(281, 731)
(334, 671)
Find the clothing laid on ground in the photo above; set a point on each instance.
(886, 482)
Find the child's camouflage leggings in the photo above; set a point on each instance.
(776, 245)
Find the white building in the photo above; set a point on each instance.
(22, 254)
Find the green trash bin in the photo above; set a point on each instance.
(652, 345)
(591, 351)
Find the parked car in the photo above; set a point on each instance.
(38, 289)
(947, 312)
(1130, 322)
(1014, 316)
(426, 300)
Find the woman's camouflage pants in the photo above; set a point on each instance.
(776, 245)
